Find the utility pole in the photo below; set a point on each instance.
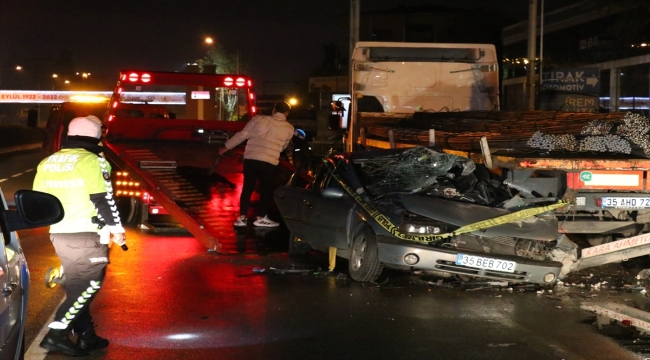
(354, 37)
(532, 51)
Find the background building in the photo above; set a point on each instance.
(609, 36)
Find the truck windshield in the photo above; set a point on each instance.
(379, 54)
(183, 102)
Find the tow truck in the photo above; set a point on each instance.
(158, 123)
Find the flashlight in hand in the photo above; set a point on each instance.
(101, 224)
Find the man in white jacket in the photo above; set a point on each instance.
(267, 137)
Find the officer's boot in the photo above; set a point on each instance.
(57, 340)
(90, 341)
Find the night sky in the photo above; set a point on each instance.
(282, 39)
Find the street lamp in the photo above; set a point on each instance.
(208, 40)
(18, 67)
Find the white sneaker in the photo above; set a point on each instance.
(265, 222)
(241, 221)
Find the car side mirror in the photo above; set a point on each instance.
(34, 209)
(332, 192)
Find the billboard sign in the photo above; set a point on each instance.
(572, 81)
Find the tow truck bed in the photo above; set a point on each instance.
(155, 166)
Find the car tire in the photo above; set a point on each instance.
(129, 208)
(364, 264)
(297, 247)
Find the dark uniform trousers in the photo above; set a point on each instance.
(84, 261)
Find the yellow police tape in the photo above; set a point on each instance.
(385, 222)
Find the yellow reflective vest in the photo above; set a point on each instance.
(72, 175)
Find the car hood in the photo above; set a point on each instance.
(460, 214)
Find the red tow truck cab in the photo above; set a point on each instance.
(161, 124)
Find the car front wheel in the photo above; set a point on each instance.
(364, 262)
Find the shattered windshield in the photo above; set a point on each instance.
(408, 171)
(427, 172)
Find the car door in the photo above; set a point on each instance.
(318, 220)
(8, 311)
(329, 218)
(292, 200)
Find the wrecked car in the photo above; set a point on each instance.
(420, 209)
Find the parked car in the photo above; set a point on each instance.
(33, 209)
(408, 209)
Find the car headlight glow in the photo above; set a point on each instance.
(421, 229)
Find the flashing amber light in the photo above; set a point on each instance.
(137, 193)
(228, 81)
(133, 77)
(118, 182)
(240, 81)
(118, 192)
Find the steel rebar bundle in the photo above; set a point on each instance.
(545, 130)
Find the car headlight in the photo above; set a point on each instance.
(420, 229)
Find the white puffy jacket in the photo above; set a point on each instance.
(267, 137)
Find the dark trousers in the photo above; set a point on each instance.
(84, 261)
(257, 170)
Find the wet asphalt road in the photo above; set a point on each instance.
(170, 298)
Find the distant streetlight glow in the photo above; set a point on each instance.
(293, 101)
(18, 67)
(209, 40)
(55, 75)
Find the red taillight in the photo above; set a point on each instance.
(145, 78)
(133, 77)
(241, 81)
(110, 117)
(228, 81)
(253, 109)
(250, 83)
(598, 202)
(115, 104)
(119, 90)
(123, 77)
(252, 96)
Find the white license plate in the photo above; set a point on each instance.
(486, 263)
(625, 202)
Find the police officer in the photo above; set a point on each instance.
(79, 177)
